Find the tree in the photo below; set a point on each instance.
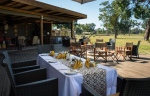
(60, 26)
(140, 9)
(112, 14)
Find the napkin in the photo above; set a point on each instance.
(64, 56)
(77, 64)
(52, 53)
(92, 64)
(59, 56)
(87, 63)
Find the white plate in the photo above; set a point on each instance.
(52, 61)
(70, 72)
(44, 54)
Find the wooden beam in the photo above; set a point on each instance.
(51, 7)
(41, 30)
(72, 29)
(18, 14)
(50, 29)
(10, 4)
(56, 18)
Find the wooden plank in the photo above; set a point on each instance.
(41, 30)
(18, 11)
(30, 15)
(72, 29)
(47, 6)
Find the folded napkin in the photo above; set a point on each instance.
(52, 53)
(64, 56)
(89, 64)
(77, 64)
(92, 64)
(61, 56)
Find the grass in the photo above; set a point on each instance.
(144, 47)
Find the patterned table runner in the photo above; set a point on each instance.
(93, 77)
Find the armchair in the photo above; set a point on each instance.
(111, 44)
(31, 83)
(21, 66)
(135, 50)
(134, 87)
(99, 40)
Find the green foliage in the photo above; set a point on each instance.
(60, 26)
(115, 16)
(85, 28)
(144, 24)
(139, 8)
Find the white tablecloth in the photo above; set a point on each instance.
(70, 85)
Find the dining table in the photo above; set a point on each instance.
(71, 84)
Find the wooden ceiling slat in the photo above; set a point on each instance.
(3, 2)
(47, 6)
(16, 5)
(44, 11)
(27, 7)
(32, 8)
(31, 14)
(10, 4)
(38, 10)
(21, 6)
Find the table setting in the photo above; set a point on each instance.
(73, 71)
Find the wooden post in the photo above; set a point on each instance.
(72, 29)
(50, 29)
(41, 29)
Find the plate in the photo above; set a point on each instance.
(52, 61)
(44, 54)
(70, 72)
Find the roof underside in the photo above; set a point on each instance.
(30, 10)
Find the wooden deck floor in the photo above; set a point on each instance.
(135, 68)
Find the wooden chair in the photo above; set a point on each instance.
(86, 41)
(128, 49)
(31, 83)
(99, 40)
(71, 48)
(22, 43)
(120, 52)
(11, 43)
(100, 50)
(125, 51)
(80, 50)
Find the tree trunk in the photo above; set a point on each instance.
(116, 33)
(147, 33)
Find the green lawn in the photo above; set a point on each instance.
(144, 47)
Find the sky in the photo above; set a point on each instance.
(91, 9)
